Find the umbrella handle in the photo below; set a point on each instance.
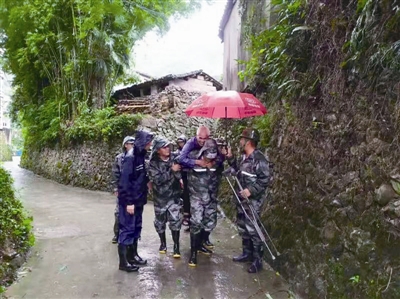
(226, 123)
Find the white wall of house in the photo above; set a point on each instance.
(4, 103)
(231, 51)
(194, 84)
(154, 89)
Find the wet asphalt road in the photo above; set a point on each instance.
(74, 258)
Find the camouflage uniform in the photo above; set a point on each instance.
(185, 191)
(116, 174)
(166, 195)
(203, 186)
(253, 174)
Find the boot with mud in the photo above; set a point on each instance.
(247, 255)
(193, 249)
(123, 261)
(257, 265)
(207, 242)
(175, 237)
(133, 256)
(163, 245)
(201, 248)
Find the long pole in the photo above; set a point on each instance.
(226, 124)
(256, 217)
(252, 220)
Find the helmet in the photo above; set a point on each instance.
(251, 134)
(209, 149)
(182, 138)
(128, 139)
(158, 143)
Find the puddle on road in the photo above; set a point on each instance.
(57, 232)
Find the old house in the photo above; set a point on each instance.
(232, 33)
(5, 122)
(196, 81)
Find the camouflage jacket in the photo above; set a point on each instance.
(116, 171)
(165, 181)
(203, 180)
(253, 173)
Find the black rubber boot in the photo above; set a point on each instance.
(247, 255)
(133, 257)
(116, 231)
(202, 249)
(123, 261)
(163, 245)
(257, 265)
(207, 242)
(193, 249)
(175, 237)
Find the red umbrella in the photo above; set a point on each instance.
(226, 104)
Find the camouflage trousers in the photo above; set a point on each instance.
(203, 214)
(116, 225)
(246, 229)
(167, 211)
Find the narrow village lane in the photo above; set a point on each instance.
(74, 258)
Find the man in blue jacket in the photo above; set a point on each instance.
(127, 144)
(194, 143)
(132, 196)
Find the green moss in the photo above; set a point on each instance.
(15, 227)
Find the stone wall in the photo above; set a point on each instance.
(89, 164)
(334, 213)
(86, 165)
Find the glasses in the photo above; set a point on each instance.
(203, 138)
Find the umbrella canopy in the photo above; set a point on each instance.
(226, 104)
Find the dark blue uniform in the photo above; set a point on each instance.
(132, 190)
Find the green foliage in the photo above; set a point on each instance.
(279, 57)
(66, 52)
(280, 54)
(98, 125)
(265, 126)
(15, 227)
(374, 47)
(5, 151)
(101, 124)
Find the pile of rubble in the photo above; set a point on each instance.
(164, 113)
